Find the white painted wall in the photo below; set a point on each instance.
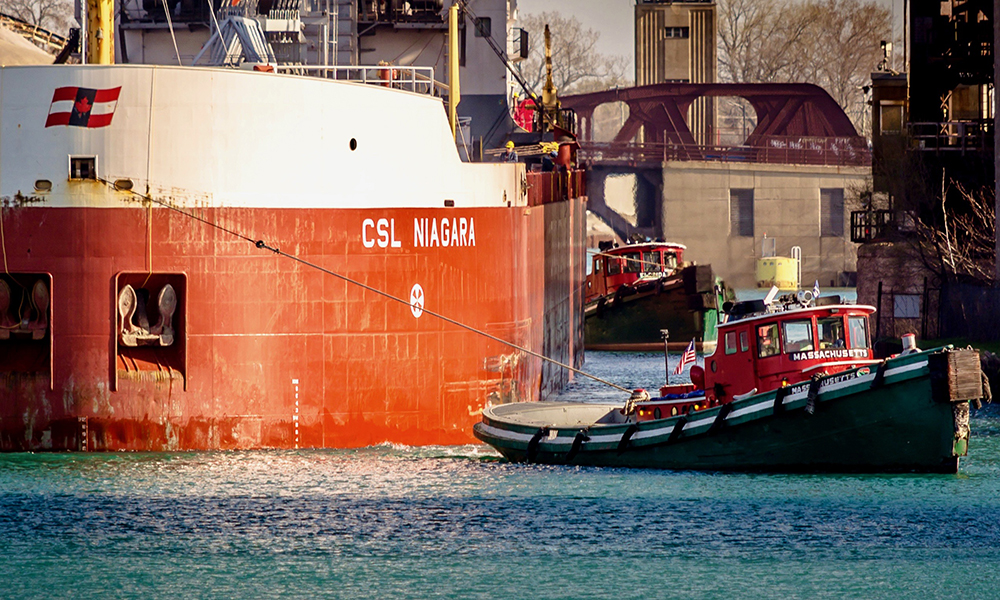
(228, 137)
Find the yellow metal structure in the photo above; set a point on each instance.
(454, 93)
(550, 101)
(101, 32)
(781, 271)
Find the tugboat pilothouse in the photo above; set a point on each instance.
(793, 385)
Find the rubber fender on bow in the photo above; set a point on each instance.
(720, 418)
(779, 398)
(533, 443)
(879, 376)
(987, 392)
(581, 437)
(678, 427)
(813, 393)
(627, 437)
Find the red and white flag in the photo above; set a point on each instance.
(82, 107)
(687, 358)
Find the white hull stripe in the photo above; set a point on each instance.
(505, 434)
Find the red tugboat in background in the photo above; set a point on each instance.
(637, 290)
(792, 386)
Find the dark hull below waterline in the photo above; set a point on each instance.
(896, 426)
(633, 323)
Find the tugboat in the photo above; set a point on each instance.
(637, 290)
(793, 386)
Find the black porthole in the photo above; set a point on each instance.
(354, 144)
(656, 413)
(714, 367)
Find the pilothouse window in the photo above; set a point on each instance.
(731, 342)
(859, 332)
(651, 262)
(831, 333)
(633, 262)
(767, 340)
(798, 336)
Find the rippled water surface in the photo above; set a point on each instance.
(398, 522)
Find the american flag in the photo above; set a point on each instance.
(686, 359)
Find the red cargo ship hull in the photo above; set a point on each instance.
(270, 352)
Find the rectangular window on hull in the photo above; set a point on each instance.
(83, 167)
(741, 213)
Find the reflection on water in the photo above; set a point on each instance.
(460, 522)
(401, 522)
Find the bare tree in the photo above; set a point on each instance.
(832, 43)
(53, 15)
(959, 240)
(761, 41)
(576, 66)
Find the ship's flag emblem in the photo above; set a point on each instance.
(82, 107)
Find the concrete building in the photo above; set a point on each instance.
(795, 178)
(722, 211)
(675, 43)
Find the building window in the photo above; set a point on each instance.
(891, 119)
(906, 306)
(677, 32)
(831, 212)
(483, 27)
(741, 213)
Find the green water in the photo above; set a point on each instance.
(399, 522)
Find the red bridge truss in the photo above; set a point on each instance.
(797, 123)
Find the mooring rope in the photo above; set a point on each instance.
(261, 244)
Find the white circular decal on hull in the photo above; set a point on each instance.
(417, 300)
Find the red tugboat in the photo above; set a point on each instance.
(637, 290)
(792, 386)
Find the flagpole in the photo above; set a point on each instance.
(666, 354)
